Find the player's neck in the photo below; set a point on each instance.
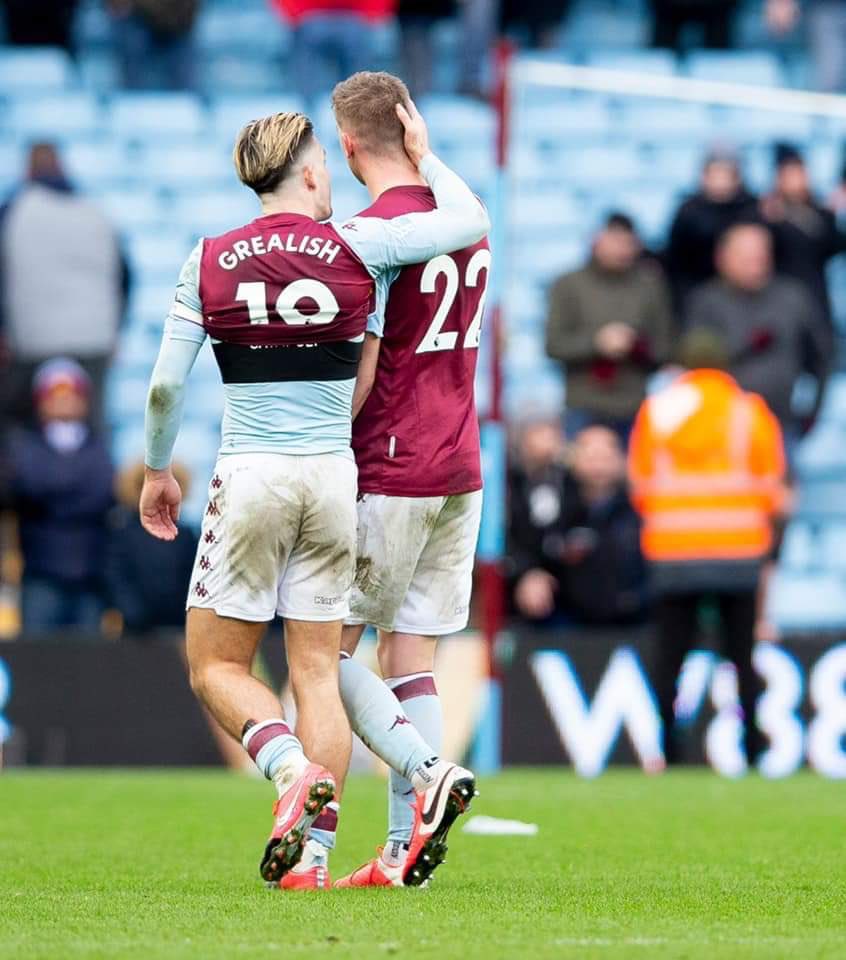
(386, 174)
(286, 203)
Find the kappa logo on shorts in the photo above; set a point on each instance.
(200, 590)
(212, 510)
(209, 537)
(217, 483)
(205, 563)
(327, 601)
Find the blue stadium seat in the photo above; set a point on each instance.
(191, 166)
(539, 395)
(459, 119)
(603, 165)
(239, 74)
(586, 119)
(230, 114)
(138, 210)
(137, 116)
(136, 352)
(98, 164)
(257, 32)
(126, 396)
(834, 399)
(159, 257)
(35, 69)
(652, 119)
(823, 453)
(661, 62)
(822, 499)
(150, 300)
(533, 210)
(742, 125)
(214, 212)
(652, 210)
(807, 602)
(833, 543)
(749, 67)
(799, 548)
(128, 441)
(54, 115)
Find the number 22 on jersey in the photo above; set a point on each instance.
(436, 337)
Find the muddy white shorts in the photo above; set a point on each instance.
(414, 570)
(278, 537)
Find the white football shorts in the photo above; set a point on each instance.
(414, 570)
(278, 536)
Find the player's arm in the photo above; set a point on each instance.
(183, 336)
(366, 372)
(459, 221)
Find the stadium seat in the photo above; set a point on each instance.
(98, 164)
(799, 548)
(807, 602)
(579, 118)
(210, 213)
(823, 453)
(240, 74)
(126, 396)
(741, 66)
(35, 69)
(651, 119)
(54, 115)
(603, 165)
(459, 119)
(139, 210)
(191, 166)
(257, 32)
(136, 116)
(661, 62)
(741, 125)
(833, 543)
(834, 398)
(822, 499)
(230, 114)
(159, 256)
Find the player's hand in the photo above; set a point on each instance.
(615, 340)
(159, 504)
(535, 594)
(416, 134)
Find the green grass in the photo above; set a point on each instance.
(155, 864)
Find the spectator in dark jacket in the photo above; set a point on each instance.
(147, 579)
(672, 16)
(721, 201)
(61, 489)
(610, 326)
(153, 38)
(40, 22)
(575, 539)
(772, 326)
(417, 19)
(805, 234)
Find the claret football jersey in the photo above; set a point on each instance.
(417, 434)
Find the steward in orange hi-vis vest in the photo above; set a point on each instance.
(707, 470)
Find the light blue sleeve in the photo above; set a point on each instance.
(183, 336)
(376, 320)
(459, 221)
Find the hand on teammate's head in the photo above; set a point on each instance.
(416, 135)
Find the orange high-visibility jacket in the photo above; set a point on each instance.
(706, 467)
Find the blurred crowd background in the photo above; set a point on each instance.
(646, 241)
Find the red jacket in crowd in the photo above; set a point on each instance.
(296, 10)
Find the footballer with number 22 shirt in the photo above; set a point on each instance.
(416, 442)
(285, 301)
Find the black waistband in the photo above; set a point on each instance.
(316, 361)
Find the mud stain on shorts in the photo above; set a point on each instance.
(365, 581)
(253, 547)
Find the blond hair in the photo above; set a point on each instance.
(365, 106)
(267, 149)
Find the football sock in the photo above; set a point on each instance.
(419, 697)
(376, 716)
(324, 828)
(275, 751)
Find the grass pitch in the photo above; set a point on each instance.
(154, 864)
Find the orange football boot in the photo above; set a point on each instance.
(295, 811)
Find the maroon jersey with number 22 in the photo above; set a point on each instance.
(418, 433)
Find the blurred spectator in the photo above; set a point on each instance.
(772, 327)
(332, 39)
(706, 465)
(147, 579)
(479, 27)
(826, 21)
(153, 38)
(721, 201)
(805, 234)
(672, 17)
(40, 22)
(610, 326)
(417, 20)
(60, 486)
(538, 20)
(63, 282)
(574, 538)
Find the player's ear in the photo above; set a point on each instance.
(347, 144)
(309, 179)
